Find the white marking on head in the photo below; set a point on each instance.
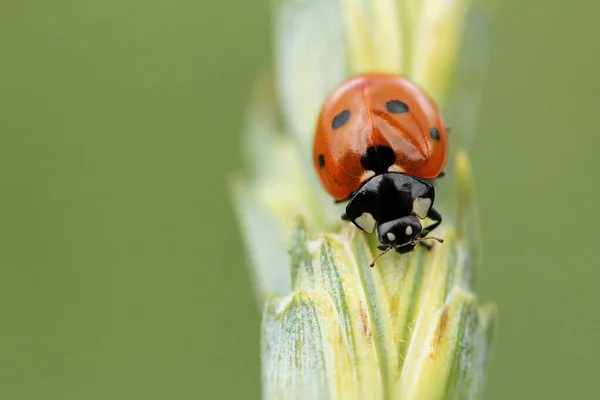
(395, 168)
(366, 176)
(391, 237)
(366, 222)
(409, 230)
(421, 207)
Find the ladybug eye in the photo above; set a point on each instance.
(396, 107)
(434, 133)
(340, 120)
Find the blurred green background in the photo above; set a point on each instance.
(121, 269)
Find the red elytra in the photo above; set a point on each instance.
(382, 112)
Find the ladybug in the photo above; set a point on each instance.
(379, 142)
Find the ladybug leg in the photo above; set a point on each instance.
(435, 216)
(404, 249)
(345, 217)
(426, 245)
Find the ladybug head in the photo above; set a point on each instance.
(400, 232)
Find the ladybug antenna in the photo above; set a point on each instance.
(431, 238)
(379, 255)
(391, 247)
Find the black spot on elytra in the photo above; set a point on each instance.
(321, 159)
(396, 107)
(378, 159)
(434, 133)
(340, 120)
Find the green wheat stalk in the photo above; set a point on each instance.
(333, 328)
